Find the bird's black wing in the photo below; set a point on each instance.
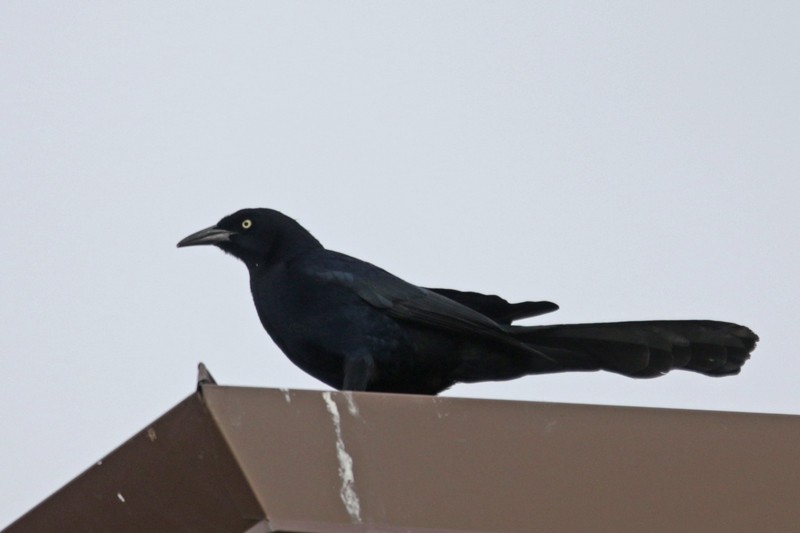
(409, 303)
(497, 308)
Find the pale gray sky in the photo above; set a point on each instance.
(628, 160)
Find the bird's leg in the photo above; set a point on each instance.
(358, 371)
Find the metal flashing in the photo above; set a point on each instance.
(252, 460)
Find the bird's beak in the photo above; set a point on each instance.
(212, 235)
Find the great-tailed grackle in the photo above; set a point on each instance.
(355, 326)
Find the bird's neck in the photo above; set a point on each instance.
(288, 244)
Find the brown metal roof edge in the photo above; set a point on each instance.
(332, 461)
(177, 474)
(255, 460)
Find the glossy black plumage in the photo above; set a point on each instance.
(355, 326)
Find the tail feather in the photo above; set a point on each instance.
(643, 349)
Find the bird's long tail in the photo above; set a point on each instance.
(641, 349)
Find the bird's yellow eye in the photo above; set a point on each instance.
(246, 223)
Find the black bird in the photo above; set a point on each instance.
(355, 326)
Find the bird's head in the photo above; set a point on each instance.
(256, 236)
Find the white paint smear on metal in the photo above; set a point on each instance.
(347, 492)
(351, 403)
